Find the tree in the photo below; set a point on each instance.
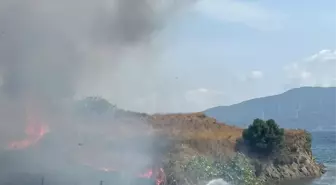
(264, 137)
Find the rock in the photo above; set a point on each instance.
(294, 162)
(322, 168)
(303, 160)
(304, 171)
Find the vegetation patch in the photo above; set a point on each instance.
(237, 171)
(309, 139)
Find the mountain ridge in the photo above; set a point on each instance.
(310, 108)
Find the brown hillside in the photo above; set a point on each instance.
(199, 132)
(197, 126)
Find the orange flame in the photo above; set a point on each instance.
(34, 131)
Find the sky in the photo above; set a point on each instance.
(221, 52)
(185, 56)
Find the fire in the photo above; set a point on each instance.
(34, 131)
(161, 177)
(147, 175)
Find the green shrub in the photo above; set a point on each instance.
(264, 137)
(237, 171)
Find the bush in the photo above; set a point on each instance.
(237, 171)
(264, 137)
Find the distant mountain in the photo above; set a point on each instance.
(311, 108)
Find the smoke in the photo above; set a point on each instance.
(49, 47)
(52, 50)
(56, 49)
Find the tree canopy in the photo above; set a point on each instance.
(264, 137)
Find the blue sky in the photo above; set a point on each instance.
(227, 51)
